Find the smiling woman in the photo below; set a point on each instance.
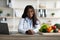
(29, 23)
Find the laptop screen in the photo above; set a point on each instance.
(4, 28)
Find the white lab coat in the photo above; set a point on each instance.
(26, 24)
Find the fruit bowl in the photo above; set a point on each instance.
(45, 28)
(50, 33)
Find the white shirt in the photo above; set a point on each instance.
(26, 24)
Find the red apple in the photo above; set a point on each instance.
(54, 27)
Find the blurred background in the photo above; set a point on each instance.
(47, 11)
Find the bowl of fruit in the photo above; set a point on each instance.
(50, 29)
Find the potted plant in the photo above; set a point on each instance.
(8, 14)
(52, 14)
(1, 12)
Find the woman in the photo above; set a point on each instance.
(29, 23)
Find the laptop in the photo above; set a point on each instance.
(4, 28)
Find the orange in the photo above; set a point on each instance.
(49, 29)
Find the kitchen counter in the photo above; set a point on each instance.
(18, 36)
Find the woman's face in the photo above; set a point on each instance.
(30, 13)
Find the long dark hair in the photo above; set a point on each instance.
(34, 18)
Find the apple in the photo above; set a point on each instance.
(54, 27)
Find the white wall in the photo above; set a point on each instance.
(21, 3)
(47, 4)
